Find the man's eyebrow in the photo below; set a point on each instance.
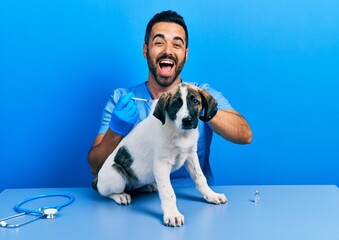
(180, 39)
(163, 37)
(158, 35)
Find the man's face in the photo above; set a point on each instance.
(166, 52)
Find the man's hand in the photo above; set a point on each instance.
(124, 115)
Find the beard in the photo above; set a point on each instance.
(165, 81)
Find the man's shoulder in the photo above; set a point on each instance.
(222, 101)
(200, 85)
(141, 87)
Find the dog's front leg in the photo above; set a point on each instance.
(172, 216)
(193, 167)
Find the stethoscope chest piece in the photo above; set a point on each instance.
(50, 212)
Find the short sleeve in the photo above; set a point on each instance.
(138, 91)
(223, 103)
(107, 112)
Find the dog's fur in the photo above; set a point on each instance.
(160, 144)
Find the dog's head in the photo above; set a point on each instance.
(184, 105)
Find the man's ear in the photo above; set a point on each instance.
(209, 105)
(144, 50)
(160, 108)
(186, 53)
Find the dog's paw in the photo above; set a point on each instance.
(216, 198)
(121, 198)
(174, 220)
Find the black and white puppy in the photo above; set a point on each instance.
(157, 146)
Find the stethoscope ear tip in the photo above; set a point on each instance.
(3, 224)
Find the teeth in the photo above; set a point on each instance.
(167, 62)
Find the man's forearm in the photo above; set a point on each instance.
(232, 126)
(103, 146)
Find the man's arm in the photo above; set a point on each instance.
(123, 118)
(103, 146)
(232, 126)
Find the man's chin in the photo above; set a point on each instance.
(165, 81)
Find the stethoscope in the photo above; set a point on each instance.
(48, 212)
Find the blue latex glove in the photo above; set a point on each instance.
(124, 116)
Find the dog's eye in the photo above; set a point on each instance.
(196, 101)
(176, 103)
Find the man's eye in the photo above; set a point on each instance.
(158, 43)
(177, 45)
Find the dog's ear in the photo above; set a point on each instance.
(209, 106)
(160, 108)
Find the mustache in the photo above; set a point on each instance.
(166, 56)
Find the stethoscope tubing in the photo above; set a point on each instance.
(58, 207)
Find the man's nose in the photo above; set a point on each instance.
(168, 49)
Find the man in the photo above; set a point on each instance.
(166, 51)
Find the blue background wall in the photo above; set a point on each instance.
(276, 61)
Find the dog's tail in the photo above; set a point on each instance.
(95, 183)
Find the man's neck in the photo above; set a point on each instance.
(156, 90)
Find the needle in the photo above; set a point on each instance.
(142, 99)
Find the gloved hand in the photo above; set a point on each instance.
(124, 116)
(207, 114)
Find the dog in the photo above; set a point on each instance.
(157, 146)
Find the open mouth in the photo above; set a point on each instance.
(166, 67)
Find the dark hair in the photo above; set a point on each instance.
(166, 16)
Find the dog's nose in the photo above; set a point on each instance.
(189, 123)
(187, 120)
